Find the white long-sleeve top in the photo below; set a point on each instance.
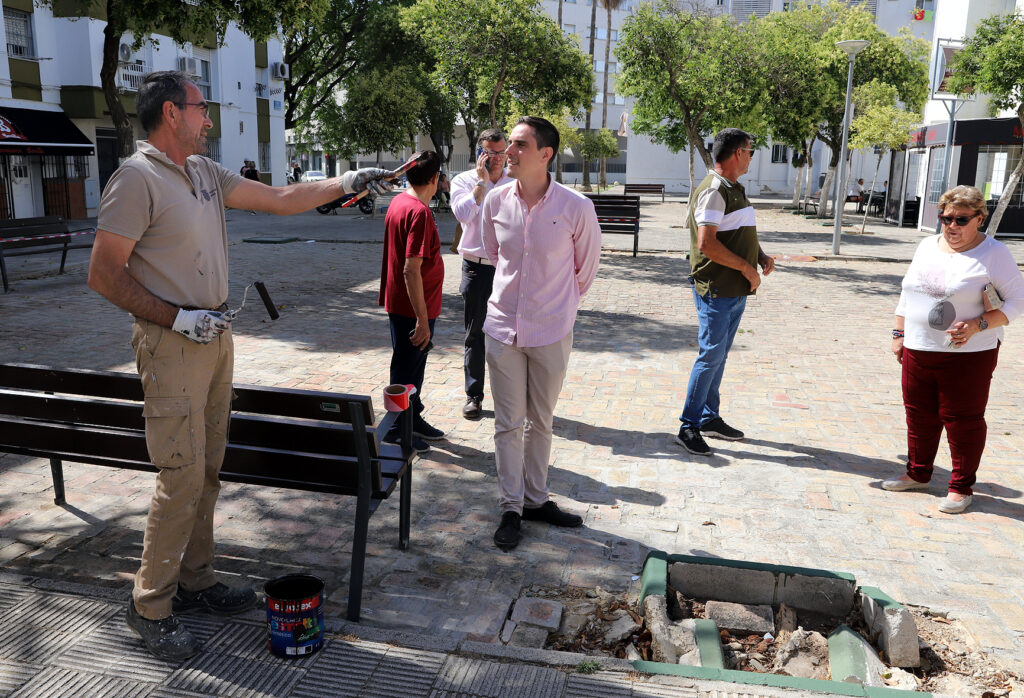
(936, 277)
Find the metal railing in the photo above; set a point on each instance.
(129, 75)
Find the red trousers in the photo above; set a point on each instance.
(944, 389)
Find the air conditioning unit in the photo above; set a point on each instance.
(188, 65)
(280, 71)
(124, 52)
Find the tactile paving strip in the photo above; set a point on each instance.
(340, 669)
(11, 596)
(228, 675)
(14, 675)
(603, 684)
(55, 681)
(39, 629)
(476, 677)
(406, 673)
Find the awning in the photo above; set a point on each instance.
(38, 132)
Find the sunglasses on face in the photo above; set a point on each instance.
(961, 221)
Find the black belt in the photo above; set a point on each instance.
(219, 309)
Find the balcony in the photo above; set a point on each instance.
(261, 90)
(129, 75)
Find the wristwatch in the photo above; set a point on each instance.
(481, 183)
(982, 324)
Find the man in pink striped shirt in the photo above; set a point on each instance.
(545, 243)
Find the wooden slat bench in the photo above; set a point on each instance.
(618, 214)
(25, 236)
(645, 189)
(279, 437)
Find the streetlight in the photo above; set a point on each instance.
(852, 47)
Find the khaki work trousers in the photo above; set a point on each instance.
(187, 409)
(525, 382)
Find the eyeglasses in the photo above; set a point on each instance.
(749, 150)
(492, 154)
(961, 221)
(202, 106)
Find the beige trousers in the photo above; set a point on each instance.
(525, 382)
(187, 409)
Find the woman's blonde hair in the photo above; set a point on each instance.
(964, 196)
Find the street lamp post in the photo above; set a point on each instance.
(852, 47)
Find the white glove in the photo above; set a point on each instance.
(372, 178)
(201, 326)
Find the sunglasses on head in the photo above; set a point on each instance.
(959, 220)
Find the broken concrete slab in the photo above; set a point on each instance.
(832, 595)
(785, 621)
(719, 582)
(805, 654)
(621, 628)
(852, 659)
(536, 611)
(892, 626)
(526, 635)
(744, 619)
(506, 631)
(669, 640)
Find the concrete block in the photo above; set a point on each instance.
(722, 583)
(525, 635)
(506, 631)
(738, 618)
(853, 660)
(621, 628)
(540, 612)
(892, 626)
(669, 641)
(832, 596)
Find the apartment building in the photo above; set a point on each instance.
(58, 147)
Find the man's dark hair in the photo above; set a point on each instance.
(727, 142)
(156, 88)
(423, 171)
(543, 131)
(490, 136)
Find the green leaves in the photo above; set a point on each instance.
(992, 61)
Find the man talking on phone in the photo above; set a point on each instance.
(411, 275)
(468, 192)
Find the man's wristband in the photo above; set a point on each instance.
(480, 183)
(897, 334)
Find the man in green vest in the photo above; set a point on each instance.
(724, 256)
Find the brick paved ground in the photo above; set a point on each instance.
(811, 380)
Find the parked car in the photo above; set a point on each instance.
(312, 176)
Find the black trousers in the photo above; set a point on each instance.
(408, 363)
(477, 280)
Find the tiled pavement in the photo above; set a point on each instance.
(811, 380)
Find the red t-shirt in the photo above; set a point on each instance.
(410, 231)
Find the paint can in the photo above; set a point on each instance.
(295, 615)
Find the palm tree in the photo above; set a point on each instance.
(609, 5)
(558, 155)
(590, 107)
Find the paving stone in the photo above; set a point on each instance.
(537, 611)
(829, 595)
(621, 628)
(526, 635)
(738, 585)
(740, 618)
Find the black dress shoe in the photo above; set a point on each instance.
(166, 638)
(550, 513)
(508, 534)
(472, 410)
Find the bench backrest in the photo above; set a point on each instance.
(643, 187)
(295, 438)
(9, 237)
(29, 222)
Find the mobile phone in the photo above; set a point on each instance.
(430, 343)
(993, 296)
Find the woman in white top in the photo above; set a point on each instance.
(947, 336)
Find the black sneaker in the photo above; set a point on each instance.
(550, 513)
(418, 444)
(166, 639)
(718, 428)
(690, 439)
(472, 410)
(507, 536)
(423, 430)
(220, 599)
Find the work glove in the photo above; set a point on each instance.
(201, 326)
(372, 178)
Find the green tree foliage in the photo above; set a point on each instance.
(486, 52)
(380, 113)
(689, 72)
(184, 21)
(880, 122)
(992, 62)
(325, 51)
(609, 5)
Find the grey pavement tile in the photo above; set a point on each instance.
(525, 681)
(14, 674)
(55, 681)
(340, 669)
(115, 647)
(473, 676)
(658, 688)
(406, 672)
(42, 626)
(11, 596)
(603, 684)
(231, 676)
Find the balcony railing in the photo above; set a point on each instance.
(129, 75)
(261, 89)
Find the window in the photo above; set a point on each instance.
(613, 67)
(995, 163)
(264, 156)
(619, 99)
(19, 34)
(204, 74)
(599, 98)
(598, 66)
(569, 28)
(599, 33)
(213, 149)
(779, 153)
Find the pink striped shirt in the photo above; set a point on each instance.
(545, 259)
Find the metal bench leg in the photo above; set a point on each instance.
(404, 508)
(63, 256)
(57, 470)
(355, 584)
(3, 270)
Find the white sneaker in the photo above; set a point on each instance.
(951, 506)
(900, 484)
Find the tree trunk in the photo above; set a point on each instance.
(798, 184)
(590, 107)
(112, 33)
(585, 180)
(871, 191)
(689, 152)
(696, 141)
(809, 181)
(603, 177)
(560, 14)
(558, 158)
(1011, 186)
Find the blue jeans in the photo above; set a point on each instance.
(719, 319)
(408, 363)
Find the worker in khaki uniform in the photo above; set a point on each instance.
(161, 254)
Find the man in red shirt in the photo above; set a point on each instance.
(411, 275)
